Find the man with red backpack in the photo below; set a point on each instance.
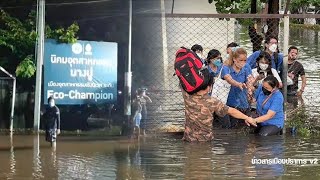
(196, 83)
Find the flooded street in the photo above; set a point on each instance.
(227, 157)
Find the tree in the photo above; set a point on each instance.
(253, 7)
(18, 40)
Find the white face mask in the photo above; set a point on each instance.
(199, 55)
(273, 48)
(51, 103)
(227, 56)
(263, 66)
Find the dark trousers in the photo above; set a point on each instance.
(228, 122)
(268, 130)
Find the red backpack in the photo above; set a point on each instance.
(189, 69)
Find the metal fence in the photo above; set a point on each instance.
(154, 54)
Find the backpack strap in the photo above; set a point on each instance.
(276, 59)
(219, 76)
(266, 100)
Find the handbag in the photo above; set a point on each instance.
(221, 89)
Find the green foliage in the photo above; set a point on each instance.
(302, 5)
(235, 6)
(20, 38)
(295, 5)
(301, 121)
(63, 35)
(26, 68)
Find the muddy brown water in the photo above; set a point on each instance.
(166, 157)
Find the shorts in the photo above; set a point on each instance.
(51, 135)
(137, 119)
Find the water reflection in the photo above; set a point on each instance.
(37, 172)
(12, 159)
(154, 158)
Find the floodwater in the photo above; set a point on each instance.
(227, 157)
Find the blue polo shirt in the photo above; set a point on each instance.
(251, 60)
(275, 103)
(237, 98)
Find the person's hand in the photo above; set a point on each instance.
(261, 76)
(58, 131)
(250, 121)
(299, 93)
(242, 86)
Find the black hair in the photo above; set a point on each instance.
(233, 44)
(269, 38)
(292, 47)
(209, 81)
(266, 56)
(272, 81)
(50, 98)
(196, 47)
(140, 91)
(213, 53)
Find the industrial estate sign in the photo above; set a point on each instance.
(81, 73)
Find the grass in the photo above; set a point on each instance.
(315, 27)
(303, 124)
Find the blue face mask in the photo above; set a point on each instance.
(217, 62)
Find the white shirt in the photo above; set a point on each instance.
(274, 72)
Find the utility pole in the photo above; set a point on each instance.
(128, 73)
(39, 57)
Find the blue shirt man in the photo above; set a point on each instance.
(275, 103)
(237, 98)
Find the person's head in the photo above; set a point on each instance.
(230, 46)
(271, 44)
(264, 62)
(293, 52)
(269, 84)
(141, 91)
(208, 86)
(214, 58)
(51, 101)
(197, 49)
(238, 57)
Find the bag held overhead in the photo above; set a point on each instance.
(189, 69)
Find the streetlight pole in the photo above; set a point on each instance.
(128, 73)
(39, 55)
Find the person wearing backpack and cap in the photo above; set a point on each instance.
(198, 49)
(199, 110)
(52, 121)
